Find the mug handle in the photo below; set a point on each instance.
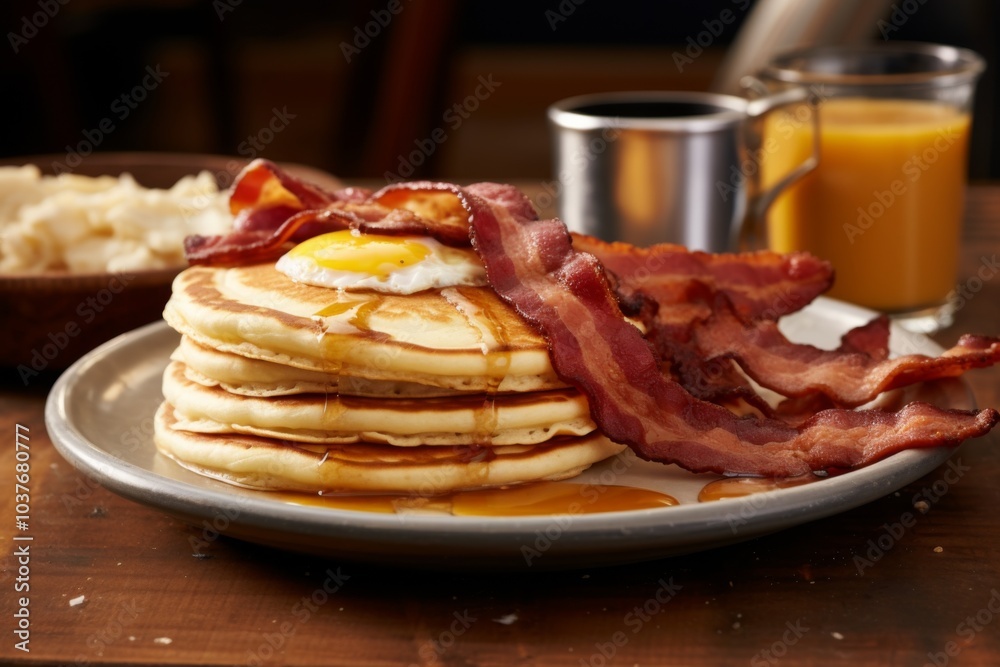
(755, 220)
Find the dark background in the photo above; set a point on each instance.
(232, 64)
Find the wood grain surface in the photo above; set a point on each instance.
(927, 590)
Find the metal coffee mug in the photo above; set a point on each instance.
(665, 167)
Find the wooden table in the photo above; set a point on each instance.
(797, 598)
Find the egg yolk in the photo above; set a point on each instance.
(370, 254)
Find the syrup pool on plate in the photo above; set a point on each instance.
(535, 499)
(738, 487)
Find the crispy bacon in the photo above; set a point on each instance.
(448, 221)
(870, 339)
(718, 379)
(673, 291)
(715, 380)
(264, 196)
(722, 314)
(564, 293)
(761, 284)
(273, 210)
(251, 247)
(268, 207)
(849, 376)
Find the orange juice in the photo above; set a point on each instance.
(885, 203)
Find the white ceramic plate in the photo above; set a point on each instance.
(100, 417)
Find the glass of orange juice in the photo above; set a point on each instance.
(885, 203)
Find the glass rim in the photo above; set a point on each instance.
(958, 65)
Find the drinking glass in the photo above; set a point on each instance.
(885, 203)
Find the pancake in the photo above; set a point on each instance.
(459, 338)
(266, 463)
(255, 377)
(522, 419)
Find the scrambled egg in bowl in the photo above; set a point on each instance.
(84, 224)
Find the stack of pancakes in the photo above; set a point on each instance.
(285, 386)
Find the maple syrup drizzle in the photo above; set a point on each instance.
(334, 309)
(362, 318)
(534, 499)
(359, 322)
(330, 331)
(331, 366)
(738, 487)
(496, 350)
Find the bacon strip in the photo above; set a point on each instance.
(446, 219)
(564, 293)
(718, 380)
(673, 291)
(849, 376)
(761, 284)
(274, 210)
(264, 196)
(250, 247)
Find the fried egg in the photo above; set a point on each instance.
(349, 260)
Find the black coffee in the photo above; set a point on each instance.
(650, 109)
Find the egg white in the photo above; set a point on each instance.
(442, 267)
